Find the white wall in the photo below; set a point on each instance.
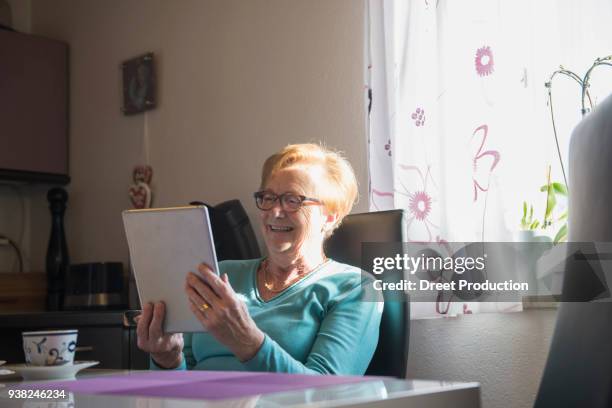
(25, 219)
(505, 352)
(238, 79)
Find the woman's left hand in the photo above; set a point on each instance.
(216, 305)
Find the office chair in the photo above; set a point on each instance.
(232, 231)
(578, 371)
(391, 355)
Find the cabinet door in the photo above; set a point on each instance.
(103, 344)
(139, 360)
(33, 108)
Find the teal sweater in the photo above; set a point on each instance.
(319, 325)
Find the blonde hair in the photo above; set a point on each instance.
(339, 191)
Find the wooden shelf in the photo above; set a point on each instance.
(23, 292)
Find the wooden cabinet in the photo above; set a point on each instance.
(107, 337)
(22, 292)
(33, 108)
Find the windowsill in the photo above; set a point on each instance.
(540, 302)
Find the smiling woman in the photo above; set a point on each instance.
(296, 310)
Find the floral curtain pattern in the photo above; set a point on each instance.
(459, 134)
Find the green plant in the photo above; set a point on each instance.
(557, 188)
(553, 190)
(527, 222)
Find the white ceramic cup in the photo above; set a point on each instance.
(49, 347)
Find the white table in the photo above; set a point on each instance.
(376, 393)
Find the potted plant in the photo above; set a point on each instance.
(554, 189)
(543, 236)
(530, 225)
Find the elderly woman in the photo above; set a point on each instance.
(295, 311)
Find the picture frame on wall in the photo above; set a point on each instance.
(138, 84)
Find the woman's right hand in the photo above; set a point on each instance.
(165, 349)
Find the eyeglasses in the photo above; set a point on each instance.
(290, 202)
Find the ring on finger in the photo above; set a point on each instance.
(204, 306)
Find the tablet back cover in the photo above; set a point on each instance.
(165, 244)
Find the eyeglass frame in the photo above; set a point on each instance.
(279, 198)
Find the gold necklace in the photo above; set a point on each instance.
(301, 274)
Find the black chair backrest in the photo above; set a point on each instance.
(391, 356)
(578, 372)
(232, 231)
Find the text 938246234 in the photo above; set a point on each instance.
(37, 394)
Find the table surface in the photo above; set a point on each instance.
(383, 392)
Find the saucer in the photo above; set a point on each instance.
(60, 372)
(3, 371)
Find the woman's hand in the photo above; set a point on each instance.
(165, 349)
(217, 307)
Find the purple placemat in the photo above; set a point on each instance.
(211, 385)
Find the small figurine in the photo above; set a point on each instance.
(140, 192)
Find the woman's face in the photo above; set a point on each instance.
(291, 234)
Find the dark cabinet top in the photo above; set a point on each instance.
(66, 319)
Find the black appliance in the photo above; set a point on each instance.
(98, 285)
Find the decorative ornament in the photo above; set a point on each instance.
(140, 191)
(139, 93)
(57, 261)
(143, 173)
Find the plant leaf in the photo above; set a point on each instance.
(551, 201)
(534, 225)
(560, 188)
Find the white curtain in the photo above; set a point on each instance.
(459, 128)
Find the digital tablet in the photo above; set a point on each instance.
(165, 244)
